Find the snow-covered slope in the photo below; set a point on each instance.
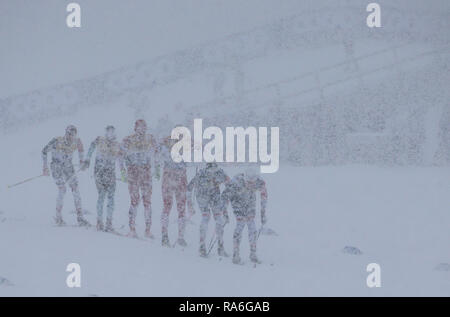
(398, 218)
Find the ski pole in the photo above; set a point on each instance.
(259, 232)
(25, 181)
(213, 243)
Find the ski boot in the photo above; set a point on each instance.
(221, 250)
(59, 220)
(109, 227)
(237, 259)
(202, 251)
(82, 222)
(148, 233)
(254, 258)
(132, 233)
(165, 240)
(100, 226)
(181, 242)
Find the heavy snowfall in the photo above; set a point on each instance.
(364, 139)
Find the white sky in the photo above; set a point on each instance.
(37, 49)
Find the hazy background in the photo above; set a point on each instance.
(339, 91)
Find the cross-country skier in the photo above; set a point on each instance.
(137, 150)
(241, 192)
(105, 174)
(174, 182)
(63, 171)
(207, 183)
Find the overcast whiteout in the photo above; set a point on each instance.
(213, 150)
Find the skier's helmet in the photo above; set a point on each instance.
(110, 132)
(140, 127)
(71, 132)
(211, 165)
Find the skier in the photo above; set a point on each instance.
(207, 183)
(241, 193)
(137, 151)
(174, 182)
(63, 171)
(105, 174)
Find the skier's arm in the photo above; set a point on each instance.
(123, 149)
(45, 151)
(80, 151)
(156, 151)
(90, 152)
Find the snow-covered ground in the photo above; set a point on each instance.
(398, 217)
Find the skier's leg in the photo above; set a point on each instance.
(237, 236)
(204, 208)
(180, 195)
(220, 221)
(100, 201)
(71, 179)
(58, 178)
(219, 233)
(59, 202)
(133, 189)
(77, 200)
(111, 190)
(76, 197)
(146, 186)
(219, 225)
(167, 199)
(252, 236)
(204, 224)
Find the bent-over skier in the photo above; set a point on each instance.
(241, 192)
(207, 183)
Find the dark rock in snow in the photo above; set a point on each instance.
(5, 282)
(351, 250)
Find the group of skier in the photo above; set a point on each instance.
(134, 156)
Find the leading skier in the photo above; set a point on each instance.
(63, 172)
